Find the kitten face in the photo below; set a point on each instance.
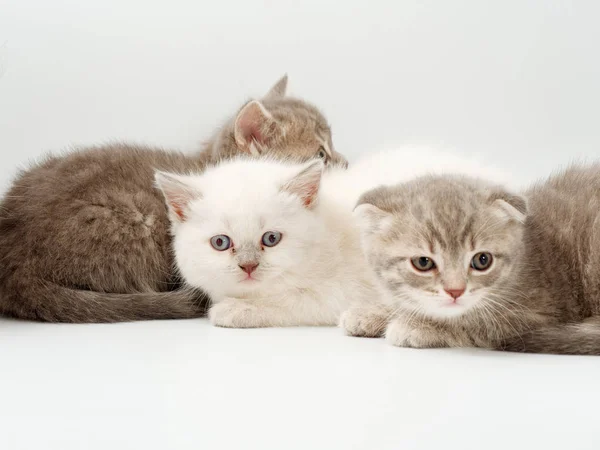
(305, 132)
(303, 129)
(279, 127)
(244, 225)
(247, 229)
(442, 246)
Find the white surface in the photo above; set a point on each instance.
(515, 80)
(188, 385)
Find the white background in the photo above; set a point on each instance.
(516, 81)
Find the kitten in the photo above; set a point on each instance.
(267, 246)
(275, 244)
(85, 237)
(466, 263)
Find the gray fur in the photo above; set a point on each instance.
(84, 237)
(543, 295)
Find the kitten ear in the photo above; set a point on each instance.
(178, 194)
(371, 219)
(254, 127)
(306, 183)
(509, 206)
(278, 90)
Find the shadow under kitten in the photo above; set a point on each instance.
(84, 237)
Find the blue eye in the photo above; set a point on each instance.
(220, 242)
(271, 238)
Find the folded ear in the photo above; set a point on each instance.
(278, 90)
(371, 219)
(254, 128)
(306, 183)
(178, 194)
(509, 206)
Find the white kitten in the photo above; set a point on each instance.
(276, 244)
(265, 244)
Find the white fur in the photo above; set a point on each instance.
(309, 278)
(391, 167)
(318, 269)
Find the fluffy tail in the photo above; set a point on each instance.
(51, 302)
(572, 339)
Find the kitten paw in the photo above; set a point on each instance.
(238, 313)
(364, 321)
(398, 333)
(232, 313)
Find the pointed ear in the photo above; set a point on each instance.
(278, 90)
(371, 219)
(306, 183)
(254, 127)
(509, 206)
(178, 194)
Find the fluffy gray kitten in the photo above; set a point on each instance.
(462, 263)
(85, 237)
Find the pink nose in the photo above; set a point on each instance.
(249, 267)
(455, 293)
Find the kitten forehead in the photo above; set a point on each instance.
(450, 212)
(243, 187)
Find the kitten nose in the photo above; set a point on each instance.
(455, 293)
(248, 267)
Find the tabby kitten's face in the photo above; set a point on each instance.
(279, 127)
(443, 246)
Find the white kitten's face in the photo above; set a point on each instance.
(235, 249)
(244, 226)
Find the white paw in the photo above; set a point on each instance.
(398, 333)
(233, 313)
(364, 322)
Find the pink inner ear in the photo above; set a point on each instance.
(310, 194)
(177, 194)
(250, 128)
(306, 184)
(250, 123)
(178, 202)
(179, 208)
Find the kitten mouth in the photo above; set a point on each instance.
(453, 305)
(249, 279)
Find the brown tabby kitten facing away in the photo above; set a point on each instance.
(85, 237)
(462, 263)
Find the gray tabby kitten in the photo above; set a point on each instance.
(462, 263)
(85, 237)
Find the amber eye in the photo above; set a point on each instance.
(423, 263)
(322, 154)
(482, 261)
